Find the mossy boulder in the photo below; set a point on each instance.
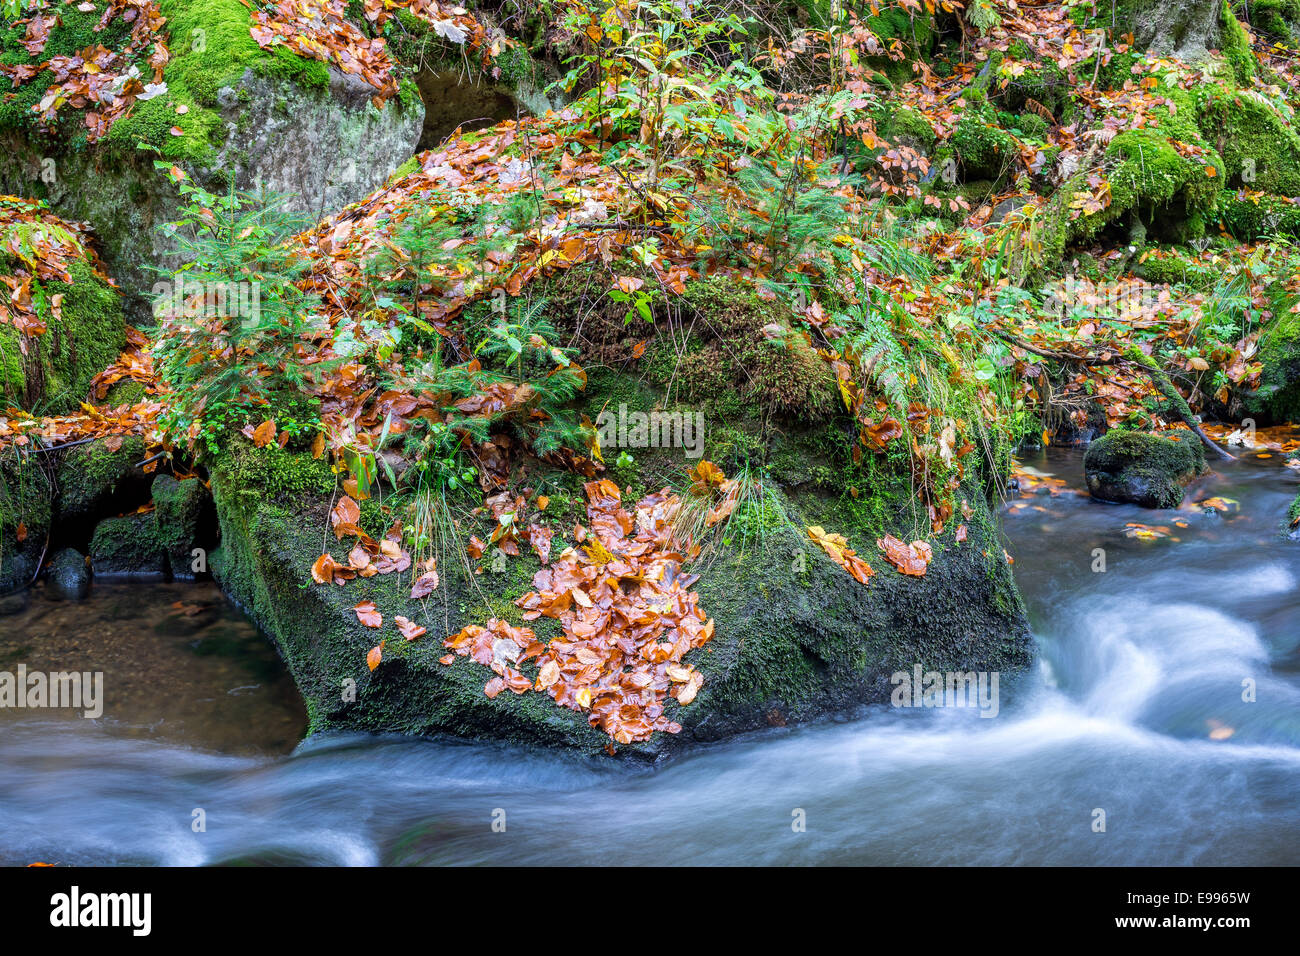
(85, 329)
(983, 149)
(26, 493)
(1153, 188)
(1147, 470)
(1278, 397)
(184, 521)
(290, 123)
(128, 547)
(795, 636)
(1255, 137)
(94, 476)
(1293, 520)
(1258, 217)
(795, 639)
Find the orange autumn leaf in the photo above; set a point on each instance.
(264, 434)
(907, 558)
(376, 655)
(410, 630)
(425, 584)
(367, 614)
(838, 550)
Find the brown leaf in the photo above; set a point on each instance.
(367, 614)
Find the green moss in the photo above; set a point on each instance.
(909, 127)
(1278, 396)
(89, 476)
(984, 150)
(1032, 125)
(1234, 44)
(1259, 145)
(1150, 181)
(279, 473)
(739, 367)
(181, 513)
(407, 168)
(1169, 266)
(54, 375)
(26, 497)
(128, 547)
(210, 47)
(1149, 470)
(1277, 18)
(1258, 218)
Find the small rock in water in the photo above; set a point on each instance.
(69, 577)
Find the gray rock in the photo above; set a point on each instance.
(69, 577)
(324, 148)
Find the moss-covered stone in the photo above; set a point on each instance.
(85, 328)
(984, 150)
(1256, 139)
(907, 127)
(796, 637)
(291, 123)
(183, 512)
(128, 547)
(1278, 396)
(1256, 218)
(92, 476)
(1147, 470)
(26, 494)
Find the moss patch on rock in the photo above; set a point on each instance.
(85, 329)
(92, 475)
(26, 494)
(128, 547)
(1147, 470)
(183, 514)
(1278, 397)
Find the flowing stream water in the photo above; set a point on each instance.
(1134, 708)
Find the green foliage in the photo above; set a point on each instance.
(661, 79)
(233, 319)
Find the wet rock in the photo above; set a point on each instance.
(69, 576)
(128, 547)
(183, 514)
(1140, 469)
(14, 603)
(25, 495)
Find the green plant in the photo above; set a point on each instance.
(233, 319)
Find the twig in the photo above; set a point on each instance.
(1137, 360)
